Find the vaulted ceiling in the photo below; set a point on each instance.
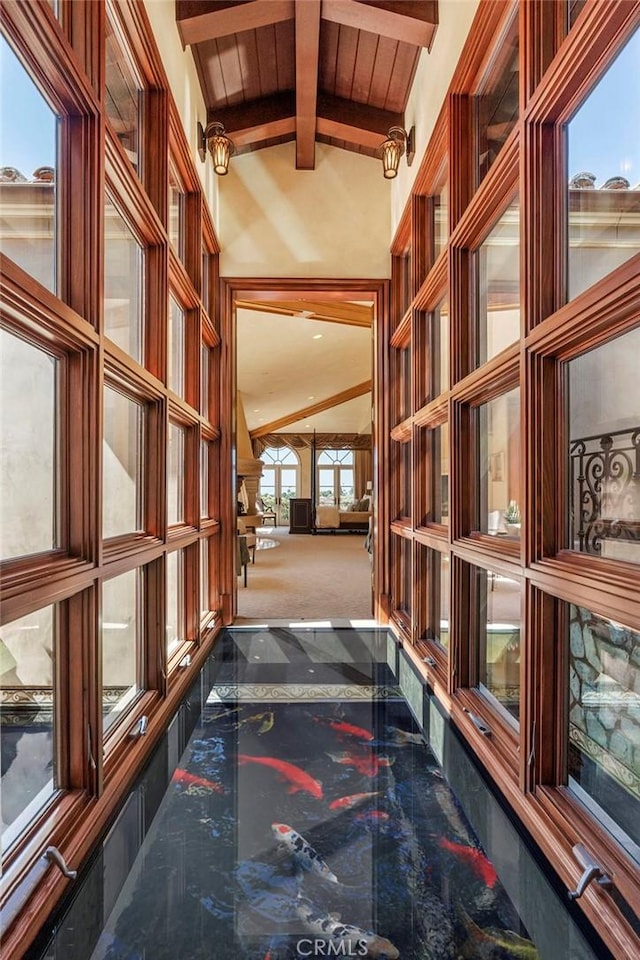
(327, 71)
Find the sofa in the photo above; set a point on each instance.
(355, 519)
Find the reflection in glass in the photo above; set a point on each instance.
(122, 96)
(604, 189)
(174, 600)
(206, 281)
(604, 450)
(204, 381)
(499, 442)
(175, 375)
(496, 601)
(28, 730)
(441, 320)
(28, 452)
(496, 105)
(119, 632)
(498, 284)
(122, 465)
(176, 208)
(441, 474)
(28, 221)
(122, 284)
(440, 220)
(204, 479)
(439, 590)
(175, 475)
(575, 7)
(205, 604)
(604, 722)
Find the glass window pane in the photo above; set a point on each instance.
(437, 627)
(28, 730)
(497, 605)
(122, 96)
(326, 482)
(28, 173)
(440, 220)
(120, 639)
(204, 381)
(441, 320)
(498, 270)
(604, 714)
(604, 450)
(445, 592)
(496, 105)
(174, 600)
(204, 479)
(206, 280)
(575, 7)
(603, 194)
(441, 474)
(122, 465)
(175, 474)
(175, 378)
(28, 445)
(347, 490)
(499, 425)
(205, 604)
(123, 257)
(176, 214)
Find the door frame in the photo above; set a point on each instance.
(288, 289)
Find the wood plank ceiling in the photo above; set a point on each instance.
(328, 71)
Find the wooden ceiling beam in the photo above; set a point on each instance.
(258, 120)
(351, 314)
(307, 14)
(199, 20)
(409, 21)
(343, 397)
(355, 122)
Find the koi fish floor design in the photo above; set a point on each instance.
(330, 817)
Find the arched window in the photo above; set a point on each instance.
(335, 478)
(280, 480)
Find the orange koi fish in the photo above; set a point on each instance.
(294, 776)
(372, 815)
(366, 764)
(481, 866)
(345, 803)
(190, 780)
(344, 729)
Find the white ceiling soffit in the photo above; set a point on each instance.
(289, 363)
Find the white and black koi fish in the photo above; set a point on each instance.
(305, 855)
(354, 941)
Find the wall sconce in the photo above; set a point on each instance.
(397, 143)
(220, 146)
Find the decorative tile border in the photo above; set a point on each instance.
(290, 692)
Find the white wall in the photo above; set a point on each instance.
(276, 221)
(185, 87)
(430, 86)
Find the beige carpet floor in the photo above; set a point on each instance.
(304, 577)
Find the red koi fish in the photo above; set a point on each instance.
(345, 803)
(346, 729)
(189, 780)
(366, 764)
(372, 815)
(476, 859)
(294, 776)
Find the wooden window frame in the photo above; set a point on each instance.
(433, 655)
(66, 60)
(558, 69)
